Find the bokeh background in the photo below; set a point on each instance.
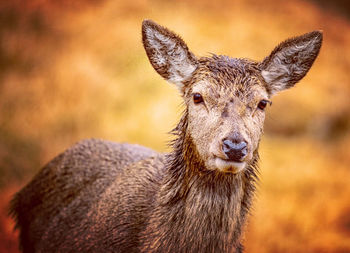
(77, 69)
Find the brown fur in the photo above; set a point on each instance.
(100, 196)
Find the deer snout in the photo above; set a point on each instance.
(235, 149)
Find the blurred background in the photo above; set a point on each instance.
(71, 70)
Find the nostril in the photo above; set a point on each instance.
(242, 145)
(234, 151)
(227, 144)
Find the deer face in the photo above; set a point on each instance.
(226, 97)
(226, 102)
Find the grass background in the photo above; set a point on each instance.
(71, 70)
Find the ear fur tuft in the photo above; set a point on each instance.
(168, 53)
(290, 61)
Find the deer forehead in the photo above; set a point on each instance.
(223, 80)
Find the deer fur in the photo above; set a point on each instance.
(100, 196)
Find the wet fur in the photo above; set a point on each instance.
(158, 204)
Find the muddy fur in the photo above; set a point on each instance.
(100, 196)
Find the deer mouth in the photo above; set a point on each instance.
(219, 161)
(229, 166)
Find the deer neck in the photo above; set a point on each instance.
(206, 207)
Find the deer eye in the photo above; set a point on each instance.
(197, 98)
(263, 103)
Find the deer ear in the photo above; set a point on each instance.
(168, 53)
(290, 61)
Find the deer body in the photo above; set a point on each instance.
(100, 196)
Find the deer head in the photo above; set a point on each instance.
(226, 97)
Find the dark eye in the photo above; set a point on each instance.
(262, 104)
(197, 98)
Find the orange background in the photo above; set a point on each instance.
(73, 71)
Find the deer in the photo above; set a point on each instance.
(102, 196)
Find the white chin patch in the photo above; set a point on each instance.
(229, 166)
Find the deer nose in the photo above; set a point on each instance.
(234, 149)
